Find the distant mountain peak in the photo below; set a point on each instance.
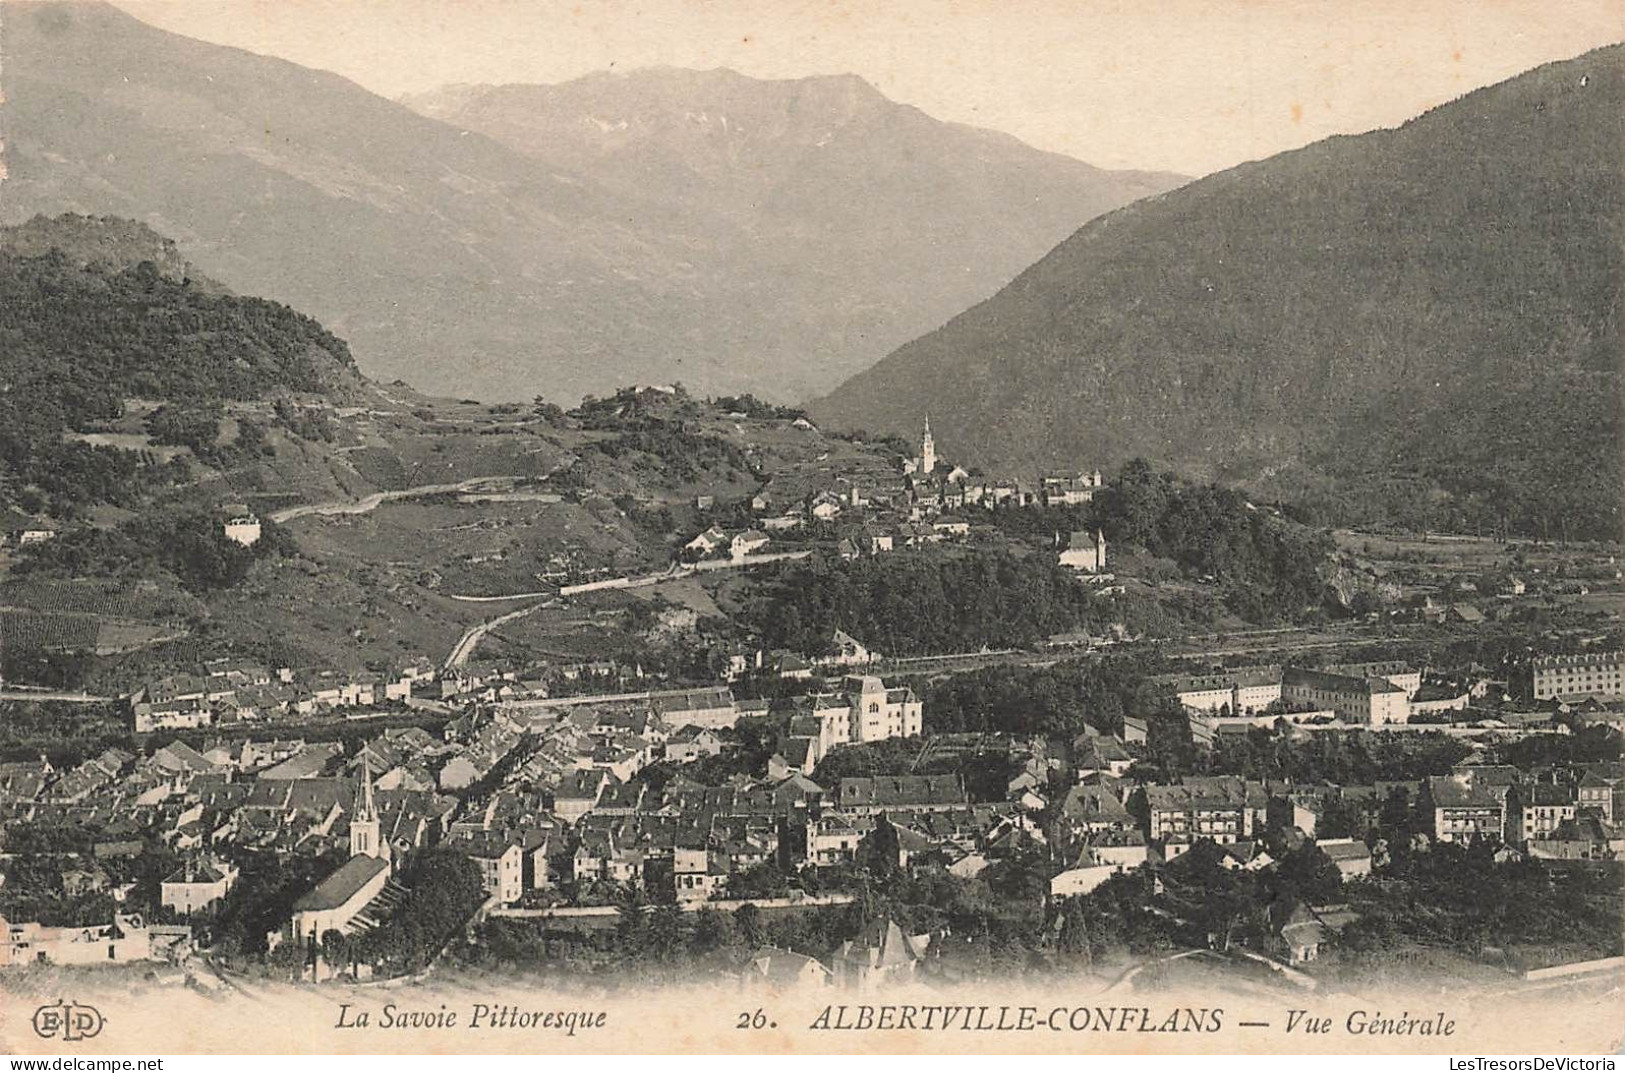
(734, 233)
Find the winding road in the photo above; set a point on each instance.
(39, 694)
(367, 504)
(471, 638)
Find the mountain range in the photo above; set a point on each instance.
(703, 227)
(1417, 325)
(848, 223)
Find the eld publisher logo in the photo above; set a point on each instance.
(67, 1021)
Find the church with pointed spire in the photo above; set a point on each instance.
(366, 828)
(924, 463)
(339, 902)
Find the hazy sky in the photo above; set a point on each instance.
(1184, 85)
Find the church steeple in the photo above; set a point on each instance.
(365, 827)
(928, 449)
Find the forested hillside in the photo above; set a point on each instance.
(1418, 325)
(83, 336)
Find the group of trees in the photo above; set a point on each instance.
(1461, 897)
(1343, 759)
(191, 544)
(685, 451)
(66, 733)
(655, 941)
(752, 407)
(443, 889)
(261, 901)
(1059, 700)
(1270, 567)
(916, 603)
(986, 775)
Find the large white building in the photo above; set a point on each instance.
(244, 529)
(1085, 552)
(1242, 691)
(127, 938)
(1369, 700)
(197, 885)
(1595, 674)
(501, 862)
(864, 710)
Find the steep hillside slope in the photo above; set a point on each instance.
(444, 257)
(1419, 324)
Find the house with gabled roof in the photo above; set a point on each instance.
(196, 885)
(866, 796)
(691, 743)
(1092, 810)
(784, 970)
(577, 793)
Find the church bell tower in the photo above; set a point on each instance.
(365, 828)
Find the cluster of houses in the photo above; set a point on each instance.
(738, 546)
(1552, 812)
(535, 795)
(544, 795)
(564, 815)
(878, 513)
(227, 691)
(125, 938)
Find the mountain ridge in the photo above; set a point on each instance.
(1371, 308)
(466, 267)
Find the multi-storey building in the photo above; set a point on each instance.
(1462, 811)
(1369, 700)
(501, 862)
(1216, 807)
(1398, 672)
(864, 710)
(1241, 691)
(1590, 675)
(1599, 790)
(1535, 810)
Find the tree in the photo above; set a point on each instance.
(665, 932)
(748, 921)
(1307, 875)
(713, 930)
(879, 850)
(1217, 899)
(335, 946)
(630, 933)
